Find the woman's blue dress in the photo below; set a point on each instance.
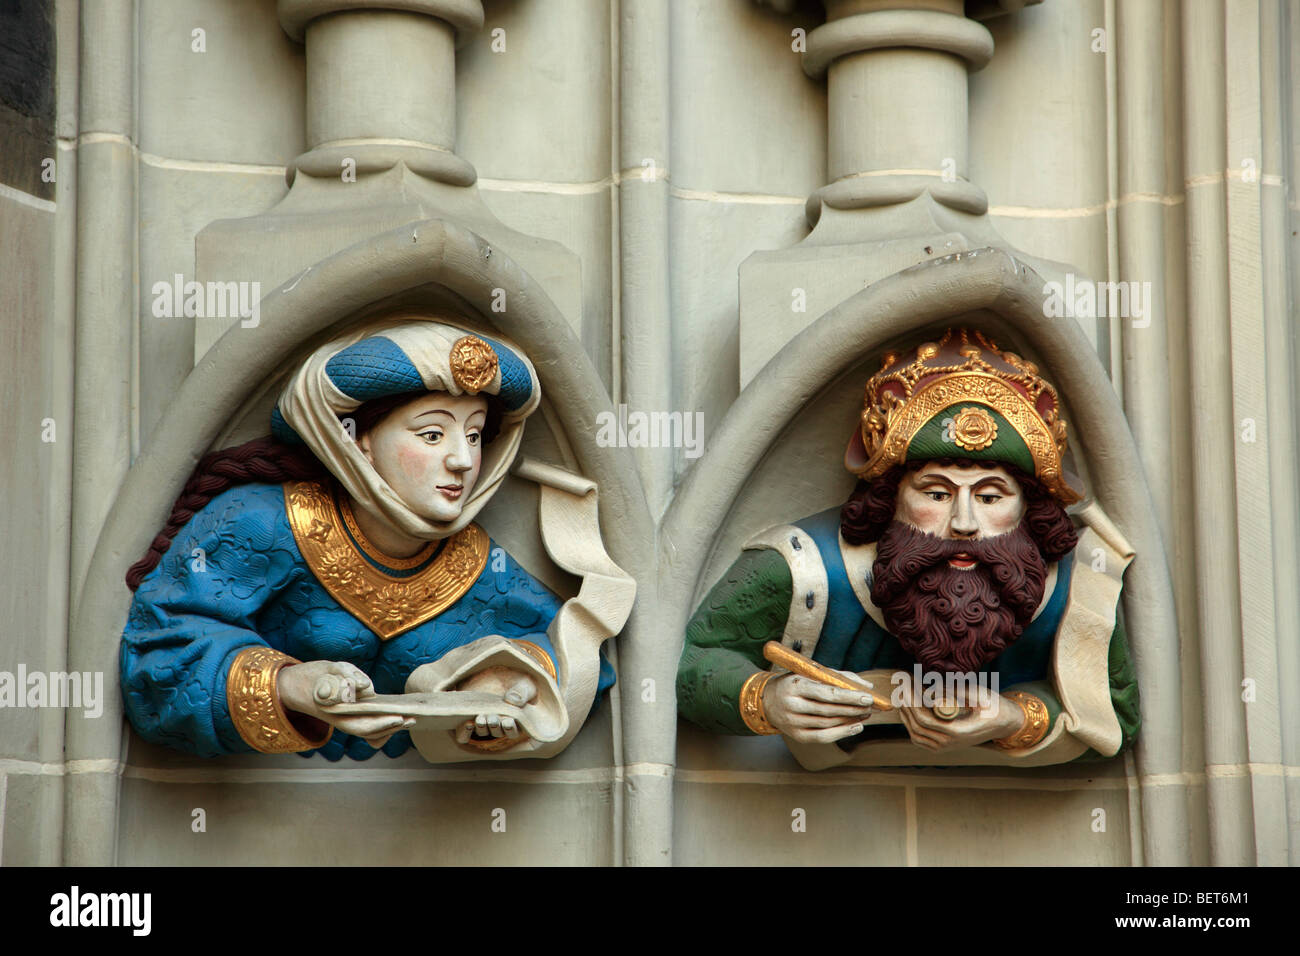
(248, 585)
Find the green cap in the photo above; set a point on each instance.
(974, 431)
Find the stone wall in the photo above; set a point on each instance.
(653, 148)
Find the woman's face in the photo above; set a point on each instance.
(430, 452)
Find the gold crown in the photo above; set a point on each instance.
(963, 366)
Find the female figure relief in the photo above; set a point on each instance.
(341, 554)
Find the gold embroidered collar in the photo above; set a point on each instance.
(387, 604)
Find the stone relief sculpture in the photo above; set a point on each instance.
(326, 590)
(950, 612)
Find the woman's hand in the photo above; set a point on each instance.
(339, 682)
(812, 712)
(516, 688)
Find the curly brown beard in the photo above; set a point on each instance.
(951, 619)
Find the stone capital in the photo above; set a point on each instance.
(466, 16)
(874, 29)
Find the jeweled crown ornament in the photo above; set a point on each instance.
(962, 397)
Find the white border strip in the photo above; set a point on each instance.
(1221, 771)
(754, 199)
(907, 780)
(538, 186)
(909, 808)
(662, 770)
(4, 791)
(872, 778)
(1080, 212)
(26, 199)
(168, 162)
(367, 775)
(635, 176)
(209, 166)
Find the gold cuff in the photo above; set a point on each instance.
(751, 703)
(491, 745)
(1035, 725)
(255, 706)
(535, 651)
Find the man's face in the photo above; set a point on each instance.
(957, 575)
(961, 503)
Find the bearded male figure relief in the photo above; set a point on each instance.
(953, 558)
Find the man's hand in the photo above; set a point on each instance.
(812, 712)
(341, 683)
(515, 687)
(1002, 719)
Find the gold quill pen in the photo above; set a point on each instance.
(793, 661)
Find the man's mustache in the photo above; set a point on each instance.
(930, 545)
(904, 552)
(911, 563)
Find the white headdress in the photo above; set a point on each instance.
(394, 357)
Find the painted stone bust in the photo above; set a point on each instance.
(327, 564)
(952, 565)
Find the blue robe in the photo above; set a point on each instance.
(192, 615)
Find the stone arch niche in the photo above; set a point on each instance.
(430, 265)
(778, 456)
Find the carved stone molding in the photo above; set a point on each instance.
(465, 15)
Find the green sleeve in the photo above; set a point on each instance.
(725, 638)
(1123, 692)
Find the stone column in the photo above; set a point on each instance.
(381, 84)
(897, 160)
(104, 378)
(897, 104)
